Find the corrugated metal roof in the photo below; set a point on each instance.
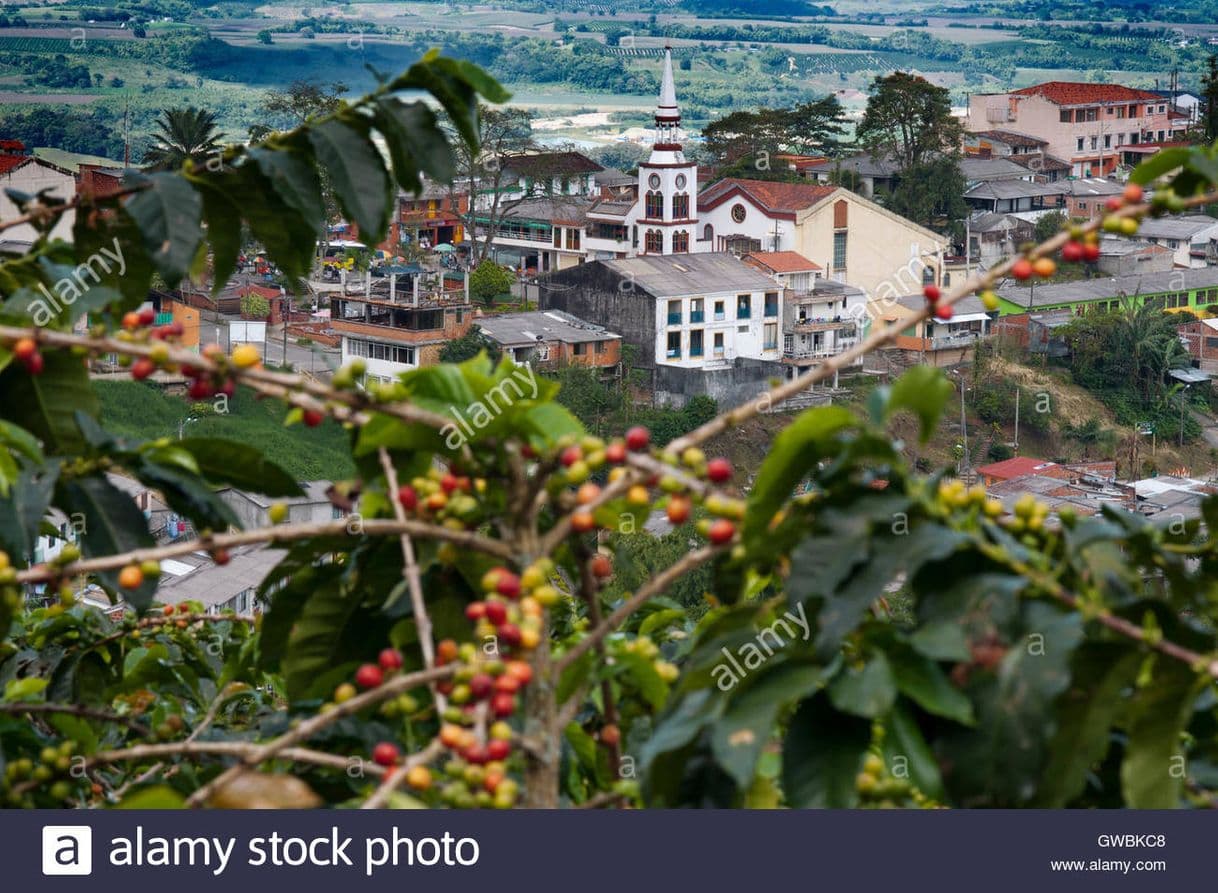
(677, 275)
(1183, 227)
(511, 329)
(214, 584)
(1105, 288)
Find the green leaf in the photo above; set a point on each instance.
(22, 513)
(293, 177)
(924, 391)
(822, 755)
(793, 453)
(869, 692)
(923, 681)
(415, 142)
(1162, 162)
(1152, 773)
(904, 746)
(167, 213)
(189, 496)
(748, 723)
(24, 689)
(112, 524)
(239, 465)
(941, 641)
(1086, 713)
(223, 222)
(45, 405)
(357, 173)
(643, 673)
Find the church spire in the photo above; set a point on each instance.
(667, 111)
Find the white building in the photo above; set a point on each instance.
(1191, 238)
(26, 173)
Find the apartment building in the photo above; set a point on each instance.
(1097, 128)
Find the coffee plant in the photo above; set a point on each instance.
(872, 636)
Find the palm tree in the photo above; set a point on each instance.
(181, 135)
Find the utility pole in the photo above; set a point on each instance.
(1016, 419)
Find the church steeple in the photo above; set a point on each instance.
(668, 114)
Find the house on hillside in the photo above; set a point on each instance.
(937, 342)
(1192, 238)
(1096, 127)
(1175, 289)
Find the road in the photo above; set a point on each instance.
(317, 359)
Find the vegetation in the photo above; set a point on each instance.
(184, 134)
(480, 568)
(489, 281)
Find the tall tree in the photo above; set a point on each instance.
(1209, 95)
(930, 193)
(182, 134)
(503, 134)
(815, 127)
(910, 120)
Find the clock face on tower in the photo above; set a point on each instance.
(680, 181)
(654, 181)
(738, 213)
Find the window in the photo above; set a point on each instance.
(696, 312)
(1079, 144)
(1095, 142)
(557, 237)
(708, 233)
(744, 304)
(674, 345)
(573, 239)
(743, 330)
(1082, 206)
(1133, 111)
(1065, 116)
(719, 315)
(1173, 243)
(600, 347)
(1110, 110)
(771, 303)
(655, 206)
(738, 213)
(680, 242)
(770, 336)
(375, 350)
(654, 242)
(695, 342)
(674, 313)
(1108, 141)
(1211, 342)
(839, 251)
(718, 344)
(1092, 114)
(579, 349)
(1133, 138)
(680, 206)
(1162, 109)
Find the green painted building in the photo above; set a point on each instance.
(1193, 289)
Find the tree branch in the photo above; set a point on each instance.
(648, 590)
(410, 570)
(83, 712)
(279, 533)
(314, 724)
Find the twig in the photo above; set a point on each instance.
(604, 798)
(394, 778)
(314, 724)
(48, 211)
(75, 710)
(278, 533)
(648, 590)
(410, 570)
(222, 748)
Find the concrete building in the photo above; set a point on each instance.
(994, 237)
(397, 330)
(704, 323)
(1017, 196)
(935, 342)
(24, 172)
(1096, 127)
(1086, 198)
(1133, 257)
(1201, 338)
(873, 175)
(253, 509)
(228, 587)
(551, 339)
(989, 170)
(1192, 238)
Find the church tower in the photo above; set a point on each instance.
(668, 184)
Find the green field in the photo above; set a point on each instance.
(132, 409)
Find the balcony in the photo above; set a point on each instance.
(948, 342)
(815, 353)
(720, 316)
(743, 313)
(674, 319)
(695, 353)
(808, 325)
(696, 316)
(674, 353)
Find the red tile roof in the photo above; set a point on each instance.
(774, 197)
(782, 261)
(12, 162)
(1071, 93)
(1011, 468)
